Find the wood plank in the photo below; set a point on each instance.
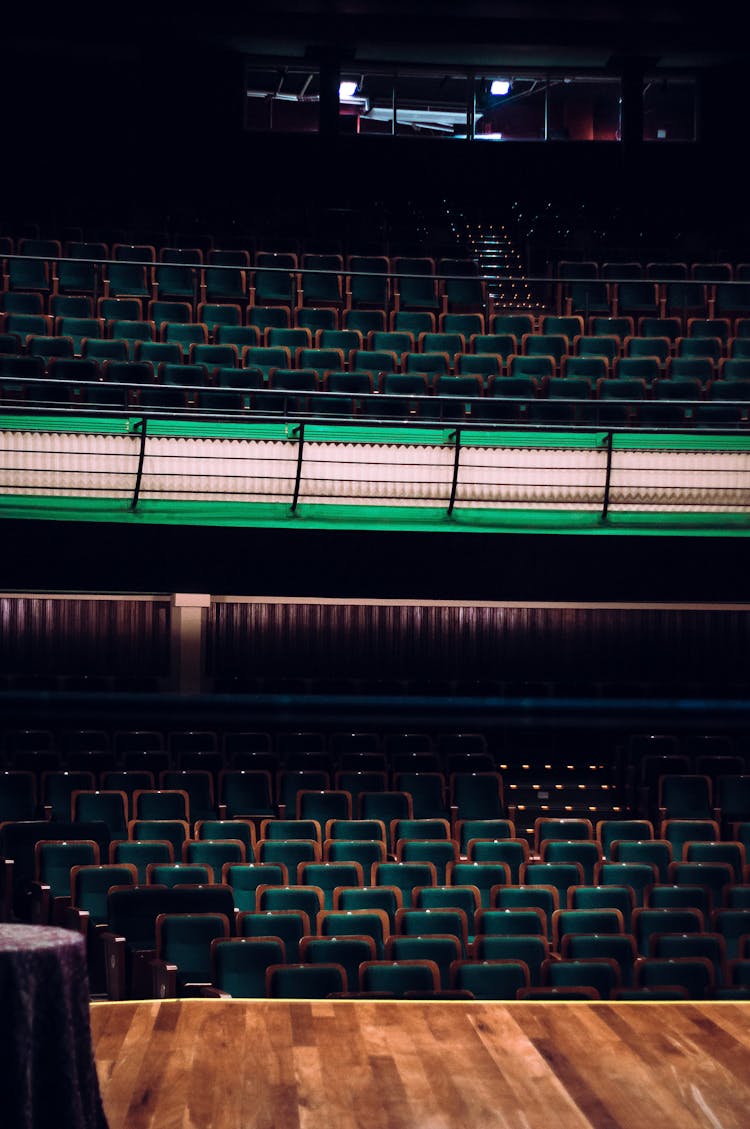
(279, 1064)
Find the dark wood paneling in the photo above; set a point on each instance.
(549, 643)
(47, 635)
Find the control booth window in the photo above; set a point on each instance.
(282, 99)
(388, 99)
(583, 109)
(511, 107)
(407, 103)
(669, 109)
(366, 103)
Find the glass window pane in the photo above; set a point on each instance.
(369, 107)
(282, 99)
(669, 109)
(584, 109)
(512, 114)
(431, 105)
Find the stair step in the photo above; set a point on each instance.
(493, 251)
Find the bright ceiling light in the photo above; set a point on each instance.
(347, 89)
(500, 86)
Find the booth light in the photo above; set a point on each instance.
(347, 89)
(500, 86)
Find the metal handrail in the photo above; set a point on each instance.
(292, 431)
(419, 422)
(345, 272)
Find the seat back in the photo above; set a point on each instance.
(239, 964)
(349, 952)
(90, 884)
(491, 979)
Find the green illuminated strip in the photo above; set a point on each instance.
(666, 441)
(377, 516)
(357, 433)
(314, 432)
(424, 519)
(68, 425)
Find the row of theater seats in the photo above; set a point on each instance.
(329, 279)
(413, 806)
(712, 808)
(192, 794)
(669, 288)
(512, 401)
(119, 251)
(664, 271)
(423, 951)
(644, 755)
(614, 365)
(502, 333)
(259, 366)
(312, 279)
(204, 251)
(646, 299)
(608, 776)
(491, 953)
(446, 818)
(219, 344)
(539, 913)
(361, 282)
(721, 312)
(229, 741)
(528, 395)
(386, 741)
(468, 785)
(221, 341)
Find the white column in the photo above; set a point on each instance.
(189, 614)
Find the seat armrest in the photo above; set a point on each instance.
(6, 889)
(58, 908)
(41, 903)
(114, 965)
(193, 990)
(76, 919)
(163, 980)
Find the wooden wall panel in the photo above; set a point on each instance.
(79, 636)
(443, 642)
(125, 636)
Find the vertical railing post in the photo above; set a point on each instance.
(456, 437)
(608, 474)
(299, 433)
(139, 428)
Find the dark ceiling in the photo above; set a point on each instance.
(590, 33)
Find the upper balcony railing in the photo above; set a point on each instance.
(616, 345)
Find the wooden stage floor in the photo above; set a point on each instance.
(278, 1064)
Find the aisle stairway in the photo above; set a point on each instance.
(496, 254)
(560, 787)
